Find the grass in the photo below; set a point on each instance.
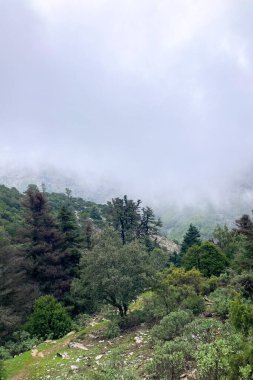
(52, 366)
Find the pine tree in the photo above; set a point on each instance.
(149, 225)
(192, 237)
(124, 216)
(70, 240)
(42, 243)
(16, 293)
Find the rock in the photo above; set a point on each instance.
(34, 352)
(40, 355)
(77, 345)
(98, 357)
(63, 355)
(74, 368)
(138, 339)
(70, 333)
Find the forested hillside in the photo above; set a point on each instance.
(90, 291)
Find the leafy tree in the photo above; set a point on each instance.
(49, 319)
(245, 226)
(192, 237)
(112, 273)
(207, 258)
(124, 217)
(230, 242)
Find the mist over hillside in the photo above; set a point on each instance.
(203, 210)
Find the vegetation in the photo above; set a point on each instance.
(138, 310)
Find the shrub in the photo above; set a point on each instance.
(80, 322)
(21, 341)
(170, 360)
(112, 330)
(49, 319)
(171, 325)
(221, 299)
(2, 371)
(194, 303)
(241, 315)
(241, 361)
(202, 330)
(213, 359)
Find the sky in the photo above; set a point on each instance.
(154, 96)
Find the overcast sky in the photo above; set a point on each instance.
(155, 95)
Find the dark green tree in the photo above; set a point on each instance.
(70, 238)
(46, 260)
(124, 216)
(112, 273)
(207, 258)
(192, 237)
(49, 319)
(149, 225)
(16, 293)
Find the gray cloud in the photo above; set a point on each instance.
(155, 95)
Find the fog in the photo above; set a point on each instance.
(149, 97)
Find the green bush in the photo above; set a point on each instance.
(194, 303)
(4, 353)
(221, 299)
(171, 325)
(21, 341)
(80, 322)
(2, 371)
(241, 315)
(203, 330)
(170, 360)
(133, 319)
(241, 361)
(213, 359)
(112, 330)
(49, 319)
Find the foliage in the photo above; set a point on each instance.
(2, 371)
(16, 293)
(49, 319)
(205, 330)
(21, 341)
(80, 321)
(243, 283)
(112, 330)
(192, 237)
(170, 360)
(125, 216)
(230, 242)
(207, 258)
(220, 301)
(113, 273)
(171, 325)
(194, 303)
(241, 315)
(179, 277)
(213, 359)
